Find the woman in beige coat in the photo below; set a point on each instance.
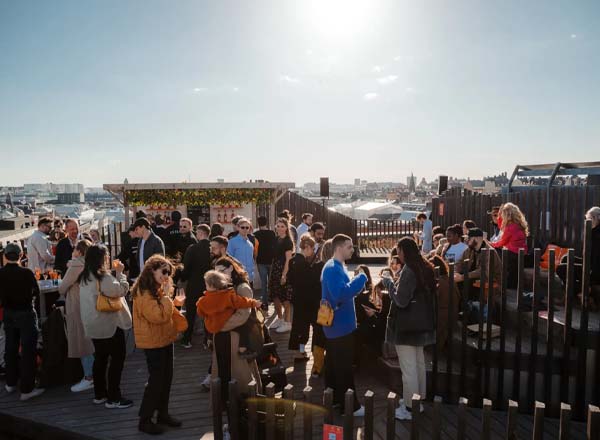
(79, 347)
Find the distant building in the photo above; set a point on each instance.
(411, 182)
(356, 182)
(70, 198)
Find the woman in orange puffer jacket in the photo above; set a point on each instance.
(155, 332)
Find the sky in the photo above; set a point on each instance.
(170, 91)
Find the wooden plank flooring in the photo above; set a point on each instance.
(61, 414)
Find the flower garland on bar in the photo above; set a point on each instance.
(194, 197)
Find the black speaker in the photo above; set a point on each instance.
(442, 184)
(324, 186)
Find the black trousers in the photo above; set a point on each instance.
(338, 368)
(109, 350)
(301, 323)
(20, 328)
(156, 394)
(190, 314)
(222, 347)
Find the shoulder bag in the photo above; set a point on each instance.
(107, 304)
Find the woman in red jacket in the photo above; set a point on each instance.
(513, 236)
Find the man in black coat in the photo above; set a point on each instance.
(172, 235)
(196, 262)
(64, 248)
(186, 238)
(149, 244)
(129, 253)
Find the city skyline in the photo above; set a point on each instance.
(284, 91)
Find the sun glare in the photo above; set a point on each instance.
(338, 20)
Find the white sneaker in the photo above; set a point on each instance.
(206, 382)
(402, 413)
(421, 409)
(284, 328)
(36, 392)
(360, 412)
(83, 385)
(10, 389)
(276, 323)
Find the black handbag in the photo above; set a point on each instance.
(417, 317)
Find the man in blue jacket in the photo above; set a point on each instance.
(339, 291)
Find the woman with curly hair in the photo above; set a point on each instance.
(513, 236)
(155, 333)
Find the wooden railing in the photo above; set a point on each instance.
(554, 217)
(264, 416)
(383, 234)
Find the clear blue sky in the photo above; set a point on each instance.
(96, 91)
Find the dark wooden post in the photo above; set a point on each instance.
(391, 416)
(233, 415)
(328, 404)
(252, 410)
(549, 334)
(593, 423)
(513, 409)
(582, 343)
(288, 395)
(567, 333)
(489, 321)
(565, 420)
(451, 317)
(517, 367)
(538, 421)
(436, 422)
(534, 330)
(462, 418)
(349, 415)
(501, 317)
(486, 419)
(369, 415)
(463, 346)
(485, 256)
(270, 411)
(217, 408)
(416, 413)
(307, 413)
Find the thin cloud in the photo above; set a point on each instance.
(236, 89)
(573, 36)
(290, 80)
(370, 96)
(377, 69)
(384, 81)
(200, 89)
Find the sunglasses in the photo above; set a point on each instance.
(244, 227)
(166, 272)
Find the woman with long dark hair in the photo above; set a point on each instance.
(227, 361)
(106, 329)
(305, 278)
(280, 290)
(155, 332)
(411, 323)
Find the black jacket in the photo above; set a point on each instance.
(154, 245)
(64, 253)
(172, 236)
(305, 279)
(196, 262)
(129, 257)
(183, 243)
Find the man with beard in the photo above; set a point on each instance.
(471, 270)
(317, 231)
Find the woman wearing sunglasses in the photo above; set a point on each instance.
(155, 333)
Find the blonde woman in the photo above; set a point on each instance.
(326, 251)
(514, 232)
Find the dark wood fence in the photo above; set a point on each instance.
(556, 217)
(265, 416)
(335, 222)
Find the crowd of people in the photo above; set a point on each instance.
(174, 280)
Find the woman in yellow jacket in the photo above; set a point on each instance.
(155, 332)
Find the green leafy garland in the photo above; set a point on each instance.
(191, 197)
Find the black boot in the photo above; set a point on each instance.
(149, 427)
(169, 421)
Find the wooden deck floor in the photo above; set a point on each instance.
(60, 414)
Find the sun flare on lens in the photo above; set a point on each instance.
(339, 19)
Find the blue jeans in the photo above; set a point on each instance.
(87, 362)
(21, 329)
(263, 272)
